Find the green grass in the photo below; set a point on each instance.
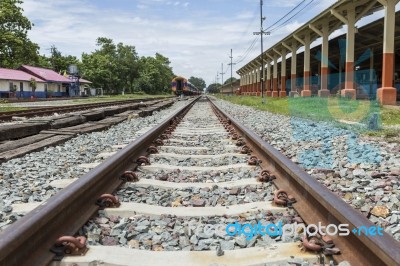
(391, 116)
(333, 109)
(108, 98)
(315, 108)
(12, 109)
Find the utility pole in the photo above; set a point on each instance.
(231, 64)
(222, 76)
(216, 84)
(262, 33)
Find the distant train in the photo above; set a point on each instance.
(180, 86)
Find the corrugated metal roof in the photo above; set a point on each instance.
(13, 74)
(46, 74)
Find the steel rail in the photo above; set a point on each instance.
(316, 203)
(41, 111)
(28, 241)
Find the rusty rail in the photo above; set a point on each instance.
(315, 203)
(28, 241)
(42, 111)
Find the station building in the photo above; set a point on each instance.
(358, 64)
(28, 81)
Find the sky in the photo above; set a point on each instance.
(196, 36)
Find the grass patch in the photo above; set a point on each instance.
(274, 105)
(390, 116)
(12, 109)
(315, 108)
(343, 112)
(108, 98)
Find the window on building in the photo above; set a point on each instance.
(58, 88)
(45, 87)
(11, 86)
(21, 86)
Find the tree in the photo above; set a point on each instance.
(118, 67)
(60, 63)
(101, 67)
(213, 88)
(155, 75)
(15, 46)
(198, 82)
(128, 64)
(95, 67)
(228, 81)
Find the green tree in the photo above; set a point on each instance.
(59, 62)
(118, 67)
(43, 61)
(101, 67)
(15, 46)
(128, 66)
(213, 88)
(96, 68)
(155, 75)
(166, 73)
(228, 81)
(198, 83)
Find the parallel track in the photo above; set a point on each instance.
(29, 240)
(43, 111)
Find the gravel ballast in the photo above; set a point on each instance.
(363, 172)
(27, 179)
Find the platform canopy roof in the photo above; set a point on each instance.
(362, 8)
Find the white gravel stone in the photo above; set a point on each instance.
(353, 161)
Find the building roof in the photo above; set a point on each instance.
(45, 74)
(13, 74)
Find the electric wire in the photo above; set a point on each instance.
(289, 19)
(294, 8)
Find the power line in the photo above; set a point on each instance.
(248, 51)
(254, 41)
(276, 22)
(286, 21)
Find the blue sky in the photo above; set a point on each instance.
(195, 35)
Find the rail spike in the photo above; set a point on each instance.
(108, 201)
(158, 142)
(281, 197)
(69, 245)
(240, 143)
(311, 244)
(235, 136)
(265, 176)
(129, 176)
(253, 160)
(165, 136)
(143, 160)
(245, 149)
(152, 150)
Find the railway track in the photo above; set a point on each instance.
(43, 111)
(168, 197)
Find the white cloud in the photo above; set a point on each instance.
(193, 46)
(196, 43)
